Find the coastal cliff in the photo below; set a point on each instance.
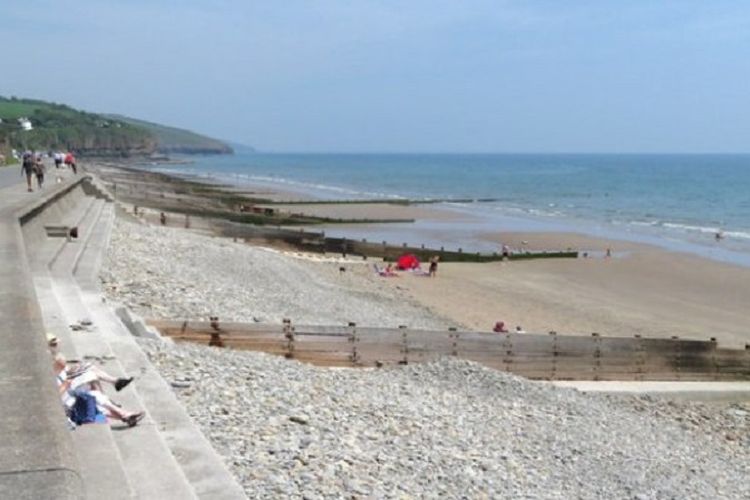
(176, 140)
(39, 125)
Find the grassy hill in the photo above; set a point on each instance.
(60, 127)
(176, 140)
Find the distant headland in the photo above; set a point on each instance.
(43, 126)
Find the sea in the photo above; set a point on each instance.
(678, 202)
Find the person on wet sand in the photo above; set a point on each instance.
(433, 266)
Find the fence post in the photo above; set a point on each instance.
(354, 339)
(714, 364)
(289, 336)
(508, 350)
(640, 360)
(597, 355)
(555, 352)
(215, 335)
(404, 345)
(678, 358)
(453, 335)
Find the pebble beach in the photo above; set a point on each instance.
(446, 429)
(162, 272)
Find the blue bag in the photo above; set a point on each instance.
(84, 410)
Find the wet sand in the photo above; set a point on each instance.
(374, 211)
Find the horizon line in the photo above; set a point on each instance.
(480, 153)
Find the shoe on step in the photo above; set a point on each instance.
(121, 383)
(133, 420)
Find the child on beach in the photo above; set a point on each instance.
(434, 265)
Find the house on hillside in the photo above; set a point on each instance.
(25, 124)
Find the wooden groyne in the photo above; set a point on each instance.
(535, 356)
(318, 242)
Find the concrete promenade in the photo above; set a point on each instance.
(10, 176)
(36, 454)
(47, 283)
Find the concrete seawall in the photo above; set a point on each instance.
(36, 451)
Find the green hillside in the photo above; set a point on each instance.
(60, 127)
(175, 140)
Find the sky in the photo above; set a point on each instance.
(398, 76)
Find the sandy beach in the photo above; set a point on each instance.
(645, 291)
(641, 290)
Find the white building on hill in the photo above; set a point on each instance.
(25, 124)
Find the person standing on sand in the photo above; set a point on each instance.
(433, 266)
(506, 252)
(27, 167)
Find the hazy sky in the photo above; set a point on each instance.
(479, 76)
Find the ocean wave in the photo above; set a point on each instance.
(692, 228)
(303, 186)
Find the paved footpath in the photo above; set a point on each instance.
(13, 184)
(10, 176)
(37, 459)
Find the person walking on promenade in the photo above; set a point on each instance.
(70, 161)
(39, 170)
(27, 167)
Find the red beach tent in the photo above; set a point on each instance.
(407, 261)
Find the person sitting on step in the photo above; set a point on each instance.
(84, 405)
(87, 373)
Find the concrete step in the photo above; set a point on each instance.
(102, 468)
(148, 463)
(145, 463)
(77, 214)
(86, 270)
(201, 464)
(165, 456)
(53, 317)
(66, 259)
(143, 448)
(203, 467)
